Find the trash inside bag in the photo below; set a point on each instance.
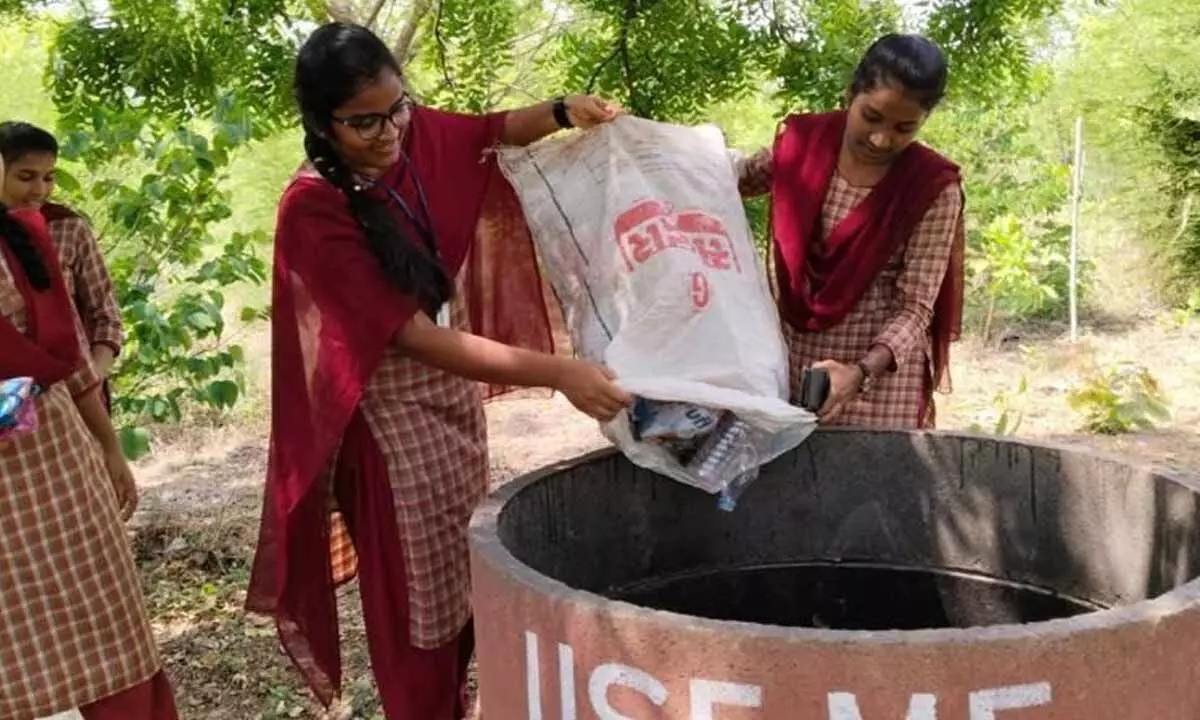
(18, 410)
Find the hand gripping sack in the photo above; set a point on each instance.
(642, 235)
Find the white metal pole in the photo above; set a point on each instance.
(1076, 188)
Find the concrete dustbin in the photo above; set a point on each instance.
(865, 576)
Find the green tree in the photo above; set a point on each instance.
(1016, 184)
(153, 99)
(1143, 121)
(170, 270)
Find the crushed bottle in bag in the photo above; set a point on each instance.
(729, 459)
(720, 450)
(729, 496)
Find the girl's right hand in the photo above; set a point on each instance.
(591, 389)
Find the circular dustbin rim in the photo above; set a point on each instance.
(487, 546)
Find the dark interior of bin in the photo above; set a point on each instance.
(868, 530)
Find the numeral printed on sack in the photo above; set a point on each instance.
(701, 291)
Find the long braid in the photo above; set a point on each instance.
(409, 265)
(17, 237)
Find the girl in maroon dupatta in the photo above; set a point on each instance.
(395, 256)
(31, 155)
(868, 240)
(75, 629)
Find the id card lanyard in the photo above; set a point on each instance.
(424, 228)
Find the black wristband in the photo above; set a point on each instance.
(560, 114)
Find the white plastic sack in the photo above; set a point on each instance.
(643, 237)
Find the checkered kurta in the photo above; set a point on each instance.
(432, 431)
(895, 311)
(88, 282)
(72, 626)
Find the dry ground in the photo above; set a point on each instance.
(197, 525)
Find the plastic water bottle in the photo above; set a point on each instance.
(727, 460)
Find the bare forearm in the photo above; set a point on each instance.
(477, 358)
(91, 409)
(102, 359)
(529, 124)
(879, 360)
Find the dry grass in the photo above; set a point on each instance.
(195, 532)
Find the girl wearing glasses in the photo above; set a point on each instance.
(404, 275)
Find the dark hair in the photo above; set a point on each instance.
(18, 240)
(911, 61)
(334, 64)
(18, 139)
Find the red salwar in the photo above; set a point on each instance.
(149, 700)
(414, 683)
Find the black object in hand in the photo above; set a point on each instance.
(814, 388)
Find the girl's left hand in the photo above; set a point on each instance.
(844, 384)
(122, 481)
(102, 360)
(586, 111)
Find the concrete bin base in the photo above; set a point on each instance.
(1046, 532)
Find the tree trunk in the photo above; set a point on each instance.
(340, 11)
(987, 320)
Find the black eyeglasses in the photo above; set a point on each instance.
(369, 126)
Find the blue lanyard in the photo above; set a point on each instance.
(423, 226)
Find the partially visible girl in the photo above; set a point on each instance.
(73, 629)
(31, 155)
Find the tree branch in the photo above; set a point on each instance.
(631, 11)
(620, 48)
(591, 83)
(441, 43)
(375, 13)
(339, 10)
(403, 47)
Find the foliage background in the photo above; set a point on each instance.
(179, 134)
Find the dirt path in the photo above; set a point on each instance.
(214, 474)
(199, 516)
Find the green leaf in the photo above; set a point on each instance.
(160, 409)
(222, 394)
(135, 442)
(202, 320)
(65, 180)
